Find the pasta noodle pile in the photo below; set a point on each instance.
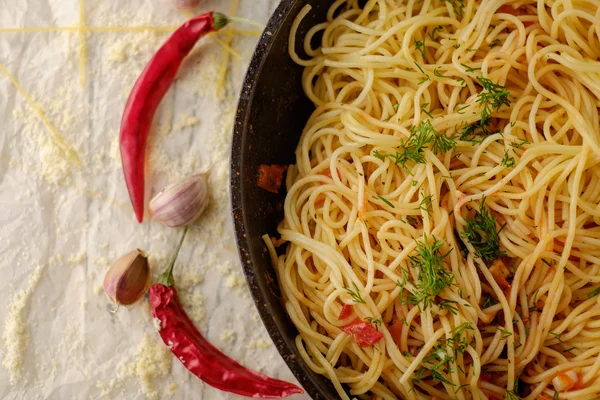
(447, 191)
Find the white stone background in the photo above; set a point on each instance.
(69, 224)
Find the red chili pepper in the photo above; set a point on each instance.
(346, 311)
(198, 355)
(146, 95)
(270, 177)
(363, 333)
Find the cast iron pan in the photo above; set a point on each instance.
(271, 114)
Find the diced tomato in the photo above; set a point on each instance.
(483, 377)
(500, 271)
(346, 311)
(507, 9)
(363, 333)
(328, 173)
(565, 381)
(270, 177)
(320, 200)
(395, 329)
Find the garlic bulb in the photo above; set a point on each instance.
(181, 204)
(127, 279)
(182, 4)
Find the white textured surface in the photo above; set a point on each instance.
(75, 222)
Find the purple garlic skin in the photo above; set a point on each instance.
(127, 280)
(181, 204)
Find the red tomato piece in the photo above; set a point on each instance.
(346, 311)
(363, 333)
(270, 177)
(396, 331)
(328, 173)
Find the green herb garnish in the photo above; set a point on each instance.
(593, 293)
(433, 276)
(482, 234)
(386, 201)
(425, 204)
(355, 294)
(420, 46)
(507, 161)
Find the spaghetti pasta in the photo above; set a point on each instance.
(447, 187)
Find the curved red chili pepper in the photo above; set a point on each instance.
(147, 94)
(202, 358)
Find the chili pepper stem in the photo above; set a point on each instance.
(219, 20)
(166, 278)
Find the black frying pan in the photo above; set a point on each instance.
(271, 114)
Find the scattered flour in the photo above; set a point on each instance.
(15, 335)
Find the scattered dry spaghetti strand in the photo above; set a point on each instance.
(225, 46)
(247, 21)
(82, 46)
(225, 61)
(188, 14)
(67, 150)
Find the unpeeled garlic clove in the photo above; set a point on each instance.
(127, 279)
(180, 204)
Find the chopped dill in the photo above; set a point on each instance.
(386, 201)
(495, 43)
(457, 5)
(482, 234)
(505, 333)
(411, 219)
(412, 149)
(375, 321)
(520, 144)
(557, 336)
(425, 204)
(426, 76)
(593, 293)
(435, 30)
(470, 69)
(433, 276)
(355, 294)
(420, 46)
(488, 301)
(507, 161)
(492, 98)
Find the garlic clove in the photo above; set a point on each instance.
(127, 279)
(181, 204)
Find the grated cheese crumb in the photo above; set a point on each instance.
(193, 302)
(76, 258)
(187, 277)
(102, 261)
(259, 344)
(107, 388)
(185, 121)
(236, 281)
(152, 361)
(15, 336)
(227, 336)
